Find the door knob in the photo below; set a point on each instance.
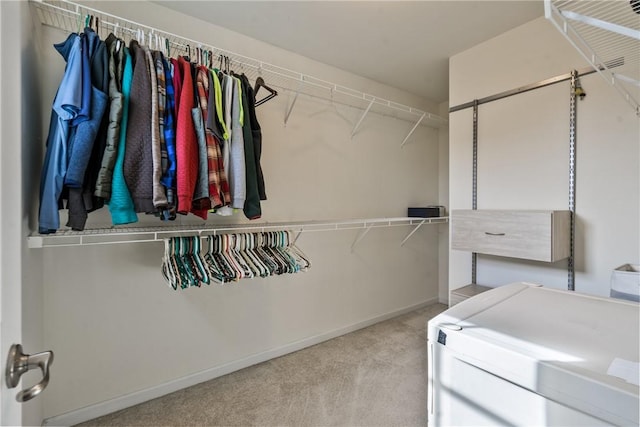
(18, 363)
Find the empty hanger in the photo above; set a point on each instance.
(260, 83)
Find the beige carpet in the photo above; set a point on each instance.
(372, 377)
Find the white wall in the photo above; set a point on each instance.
(523, 156)
(443, 199)
(116, 328)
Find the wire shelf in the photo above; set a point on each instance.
(107, 236)
(69, 16)
(607, 35)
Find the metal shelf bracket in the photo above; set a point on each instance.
(416, 228)
(360, 236)
(364, 114)
(406, 138)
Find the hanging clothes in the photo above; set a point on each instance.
(169, 176)
(67, 106)
(213, 149)
(217, 126)
(226, 102)
(99, 58)
(159, 195)
(201, 201)
(81, 145)
(115, 48)
(186, 142)
(251, 209)
(256, 134)
(158, 68)
(121, 203)
(138, 160)
(83, 151)
(183, 139)
(237, 169)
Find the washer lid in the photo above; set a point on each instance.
(558, 344)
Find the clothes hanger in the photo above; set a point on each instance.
(236, 247)
(197, 254)
(215, 271)
(251, 252)
(243, 270)
(177, 264)
(229, 272)
(230, 257)
(167, 270)
(189, 258)
(267, 256)
(186, 262)
(259, 84)
(119, 41)
(240, 248)
(282, 249)
(183, 263)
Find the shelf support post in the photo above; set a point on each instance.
(412, 232)
(474, 190)
(572, 177)
(406, 138)
(357, 126)
(361, 236)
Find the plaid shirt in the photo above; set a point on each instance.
(169, 177)
(218, 185)
(164, 164)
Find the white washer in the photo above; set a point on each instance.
(526, 355)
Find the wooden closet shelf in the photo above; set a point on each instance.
(107, 236)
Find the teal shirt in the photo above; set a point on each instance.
(121, 203)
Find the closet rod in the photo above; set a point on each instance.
(108, 236)
(522, 89)
(65, 14)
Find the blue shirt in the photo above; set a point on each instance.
(67, 106)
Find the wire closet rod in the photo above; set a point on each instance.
(299, 79)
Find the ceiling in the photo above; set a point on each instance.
(403, 44)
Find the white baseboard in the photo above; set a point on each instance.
(103, 408)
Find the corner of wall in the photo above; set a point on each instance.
(443, 199)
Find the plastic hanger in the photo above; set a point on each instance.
(167, 270)
(259, 84)
(215, 271)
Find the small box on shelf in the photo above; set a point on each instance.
(426, 212)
